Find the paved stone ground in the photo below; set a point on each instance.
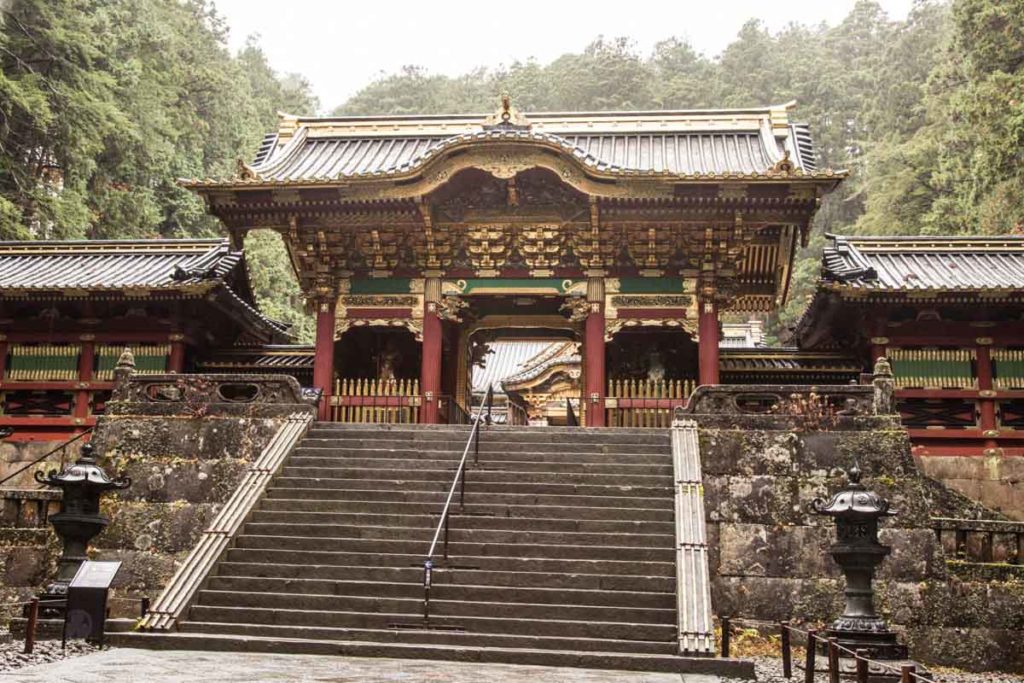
(124, 665)
(130, 665)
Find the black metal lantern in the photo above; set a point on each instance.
(79, 519)
(858, 552)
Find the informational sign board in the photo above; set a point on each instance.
(86, 612)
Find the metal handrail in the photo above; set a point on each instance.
(62, 448)
(458, 482)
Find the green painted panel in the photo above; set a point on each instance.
(393, 285)
(554, 285)
(651, 285)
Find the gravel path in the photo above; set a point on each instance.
(769, 670)
(12, 653)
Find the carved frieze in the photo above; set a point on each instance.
(578, 308)
(450, 308)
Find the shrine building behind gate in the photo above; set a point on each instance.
(421, 239)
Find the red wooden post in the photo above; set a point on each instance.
(430, 365)
(907, 672)
(879, 342)
(787, 653)
(3, 356)
(833, 660)
(30, 627)
(596, 382)
(323, 359)
(176, 360)
(707, 333)
(809, 660)
(86, 362)
(986, 398)
(860, 658)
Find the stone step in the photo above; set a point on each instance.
(671, 663)
(458, 535)
(433, 636)
(463, 521)
(494, 433)
(432, 504)
(444, 591)
(441, 607)
(596, 452)
(461, 549)
(493, 474)
(443, 576)
(287, 483)
(618, 567)
(437, 496)
(512, 462)
(543, 626)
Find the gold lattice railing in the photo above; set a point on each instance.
(645, 403)
(933, 368)
(1008, 368)
(395, 401)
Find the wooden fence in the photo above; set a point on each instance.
(376, 401)
(645, 403)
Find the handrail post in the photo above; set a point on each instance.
(30, 627)
(725, 636)
(787, 654)
(144, 606)
(476, 440)
(426, 589)
(907, 672)
(860, 657)
(809, 663)
(833, 660)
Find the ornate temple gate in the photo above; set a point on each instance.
(632, 221)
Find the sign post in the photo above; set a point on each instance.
(86, 612)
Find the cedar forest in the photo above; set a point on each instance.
(105, 103)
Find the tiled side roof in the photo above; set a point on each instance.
(924, 263)
(785, 359)
(118, 265)
(114, 264)
(272, 357)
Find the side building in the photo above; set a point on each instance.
(69, 308)
(947, 313)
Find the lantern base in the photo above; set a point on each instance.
(877, 640)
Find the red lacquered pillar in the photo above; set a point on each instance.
(595, 382)
(323, 358)
(430, 365)
(986, 395)
(707, 334)
(86, 362)
(176, 360)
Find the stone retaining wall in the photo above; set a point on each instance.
(185, 448)
(769, 553)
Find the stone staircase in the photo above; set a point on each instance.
(563, 555)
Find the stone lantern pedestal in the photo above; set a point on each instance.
(857, 512)
(77, 523)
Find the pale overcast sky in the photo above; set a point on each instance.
(341, 45)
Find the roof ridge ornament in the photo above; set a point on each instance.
(507, 117)
(244, 171)
(784, 165)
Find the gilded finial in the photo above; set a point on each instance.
(506, 107)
